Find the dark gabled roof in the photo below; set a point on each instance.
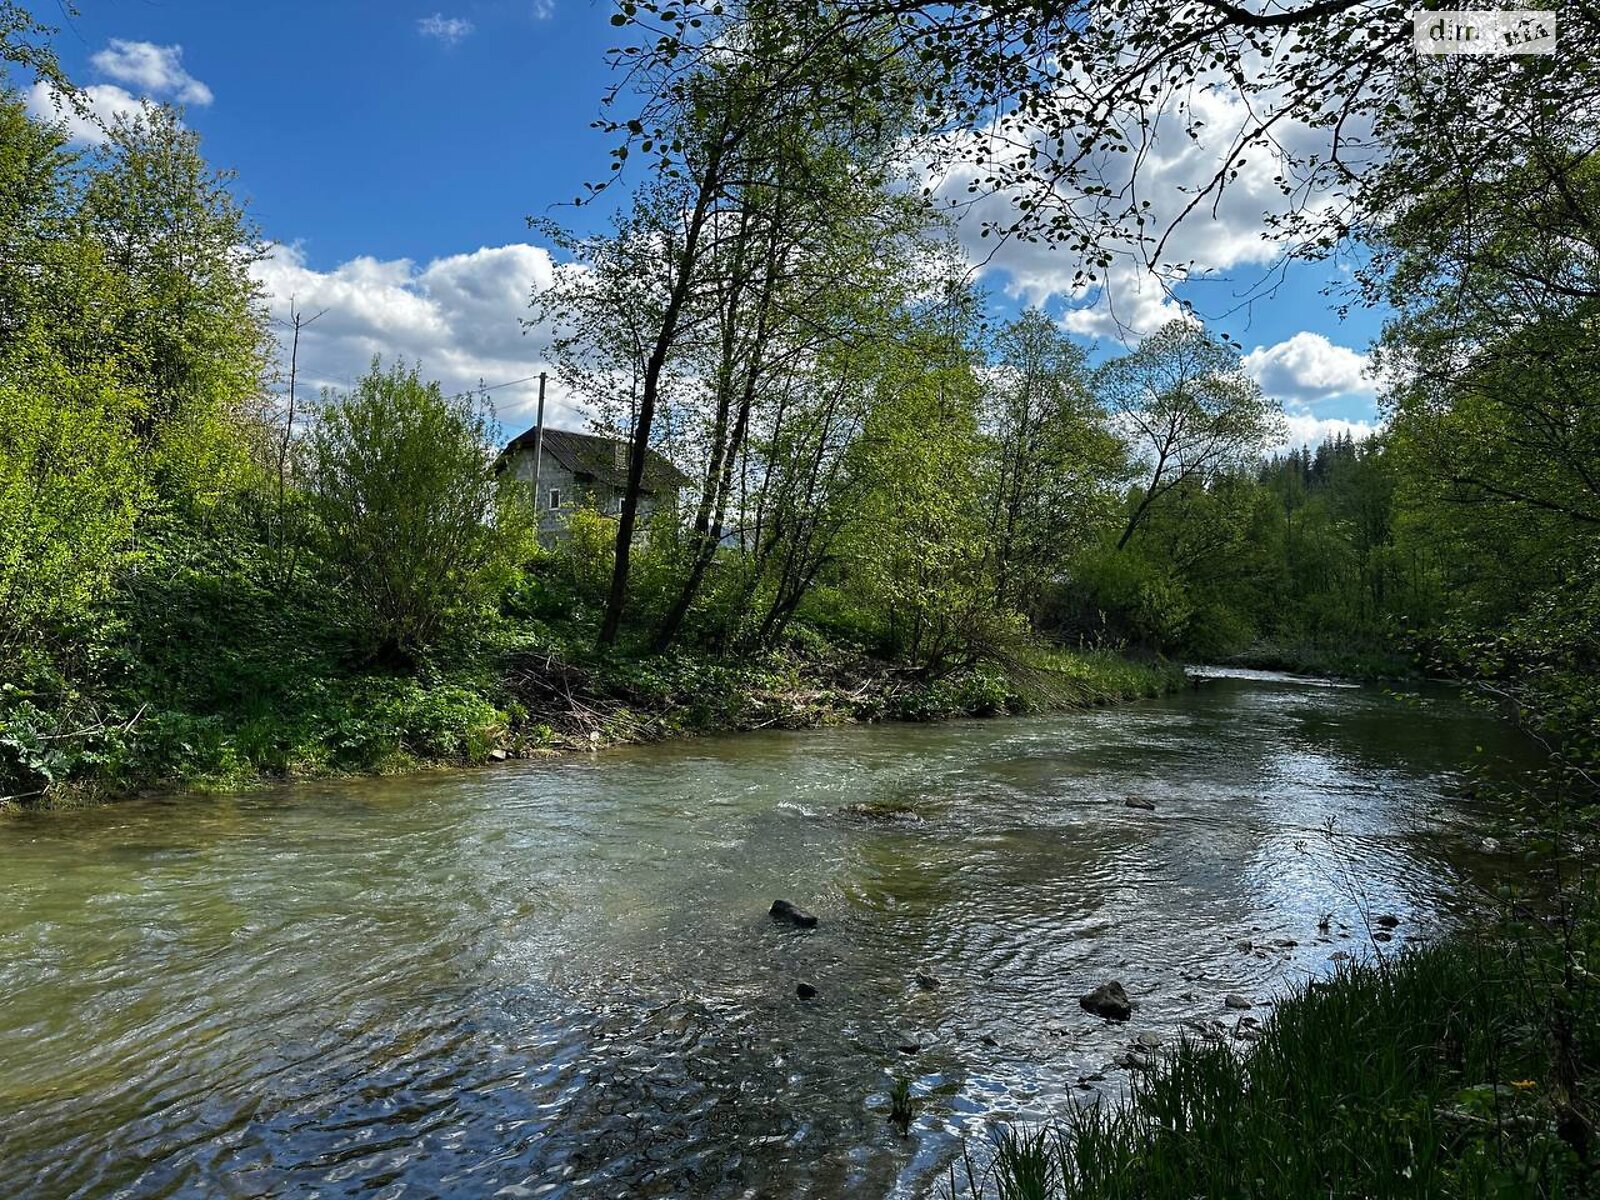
(588, 454)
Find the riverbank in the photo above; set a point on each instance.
(1368, 663)
(1460, 1069)
(1457, 1068)
(527, 697)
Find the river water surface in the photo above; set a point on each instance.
(560, 979)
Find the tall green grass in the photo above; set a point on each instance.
(1427, 1075)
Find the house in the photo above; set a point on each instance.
(584, 470)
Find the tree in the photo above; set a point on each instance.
(72, 487)
(822, 239)
(1054, 464)
(744, 161)
(188, 322)
(416, 519)
(36, 199)
(24, 43)
(1188, 407)
(914, 549)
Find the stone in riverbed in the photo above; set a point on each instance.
(1234, 1000)
(1383, 936)
(1109, 1001)
(1140, 802)
(782, 910)
(805, 991)
(1386, 921)
(928, 981)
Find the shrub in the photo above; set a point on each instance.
(418, 526)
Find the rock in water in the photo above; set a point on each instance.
(1234, 1000)
(782, 910)
(1387, 921)
(1140, 802)
(1109, 1001)
(805, 991)
(928, 981)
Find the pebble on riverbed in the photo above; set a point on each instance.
(928, 981)
(1140, 802)
(805, 991)
(1234, 1000)
(782, 910)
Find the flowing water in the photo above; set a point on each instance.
(560, 978)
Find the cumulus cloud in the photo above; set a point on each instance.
(1308, 367)
(1223, 232)
(99, 106)
(1305, 429)
(448, 30)
(154, 70)
(458, 316)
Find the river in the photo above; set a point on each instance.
(559, 978)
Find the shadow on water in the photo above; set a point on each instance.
(559, 979)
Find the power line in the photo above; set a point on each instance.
(511, 383)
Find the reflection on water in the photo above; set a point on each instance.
(559, 979)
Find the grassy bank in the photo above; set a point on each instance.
(1459, 1070)
(260, 713)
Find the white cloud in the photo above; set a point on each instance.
(1304, 429)
(1308, 367)
(1221, 233)
(459, 316)
(448, 30)
(154, 70)
(543, 10)
(104, 102)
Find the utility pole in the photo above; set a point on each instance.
(538, 452)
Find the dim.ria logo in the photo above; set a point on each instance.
(1484, 31)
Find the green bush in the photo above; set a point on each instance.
(419, 529)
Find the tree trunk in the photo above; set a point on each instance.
(725, 455)
(617, 598)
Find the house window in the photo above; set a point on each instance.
(555, 499)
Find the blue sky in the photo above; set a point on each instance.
(393, 152)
